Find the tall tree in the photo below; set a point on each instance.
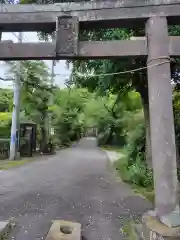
(35, 92)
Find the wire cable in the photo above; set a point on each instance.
(119, 73)
(79, 74)
(6, 79)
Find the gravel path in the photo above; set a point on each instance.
(76, 184)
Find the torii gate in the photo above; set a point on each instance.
(155, 16)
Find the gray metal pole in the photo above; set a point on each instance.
(14, 144)
(51, 97)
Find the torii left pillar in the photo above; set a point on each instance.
(164, 222)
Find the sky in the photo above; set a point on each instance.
(61, 70)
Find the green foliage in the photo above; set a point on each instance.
(67, 127)
(5, 123)
(132, 166)
(73, 113)
(4, 148)
(136, 144)
(176, 106)
(35, 93)
(135, 173)
(7, 164)
(69, 104)
(123, 83)
(76, 110)
(6, 99)
(139, 174)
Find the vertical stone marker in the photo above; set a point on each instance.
(165, 221)
(67, 30)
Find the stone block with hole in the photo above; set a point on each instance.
(64, 230)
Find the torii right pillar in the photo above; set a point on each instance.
(164, 222)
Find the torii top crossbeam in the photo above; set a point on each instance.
(108, 13)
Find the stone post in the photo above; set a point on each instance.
(164, 222)
(161, 121)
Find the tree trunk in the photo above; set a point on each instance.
(143, 90)
(148, 136)
(43, 140)
(144, 96)
(109, 137)
(177, 154)
(44, 135)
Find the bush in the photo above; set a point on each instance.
(136, 144)
(176, 108)
(4, 148)
(122, 166)
(110, 132)
(5, 124)
(136, 173)
(132, 167)
(140, 175)
(67, 128)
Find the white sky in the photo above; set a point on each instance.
(60, 67)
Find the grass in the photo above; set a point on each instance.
(8, 164)
(146, 192)
(112, 148)
(129, 231)
(122, 167)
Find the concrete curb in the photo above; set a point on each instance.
(113, 156)
(110, 163)
(5, 227)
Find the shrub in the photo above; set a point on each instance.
(5, 124)
(132, 167)
(4, 148)
(140, 175)
(136, 173)
(136, 144)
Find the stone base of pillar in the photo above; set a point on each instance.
(152, 229)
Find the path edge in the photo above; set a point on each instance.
(5, 227)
